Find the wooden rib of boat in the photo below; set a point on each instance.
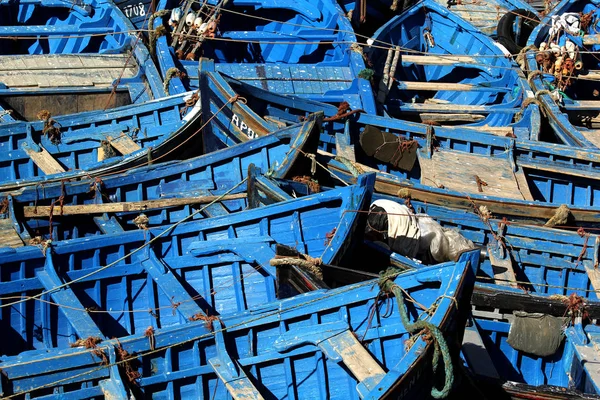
(340, 340)
(524, 180)
(433, 67)
(566, 81)
(164, 193)
(299, 48)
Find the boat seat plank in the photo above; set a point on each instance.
(440, 86)
(68, 70)
(437, 59)
(108, 225)
(44, 161)
(456, 171)
(123, 144)
(583, 105)
(447, 117)
(8, 235)
(449, 108)
(591, 75)
(310, 36)
(170, 285)
(590, 40)
(126, 206)
(592, 135)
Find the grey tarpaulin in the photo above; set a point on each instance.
(537, 334)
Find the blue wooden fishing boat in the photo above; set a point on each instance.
(329, 342)
(92, 143)
(296, 48)
(507, 328)
(158, 267)
(70, 68)
(508, 21)
(563, 71)
(155, 195)
(433, 67)
(451, 166)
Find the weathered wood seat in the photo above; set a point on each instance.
(65, 70)
(459, 171)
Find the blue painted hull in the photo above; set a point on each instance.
(572, 107)
(273, 360)
(158, 128)
(99, 27)
(550, 175)
(209, 175)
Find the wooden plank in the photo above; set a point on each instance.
(123, 143)
(590, 40)
(73, 309)
(591, 75)
(44, 161)
(437, 86)
(171, 286)
(131, 206)
(451, 117)
(436, 59)
(8, 235)
(358, 360)
(443, 108)
(52, 70)
(457, 171)
(580, 105)
(503, 268)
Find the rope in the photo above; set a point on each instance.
(354, 168)
(429, 331)
(154, 34)
(311, 265)
(171, 73)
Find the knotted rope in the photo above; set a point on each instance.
(429, 331)
(307, 263)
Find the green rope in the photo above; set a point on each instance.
(387, 285)
(354, 169)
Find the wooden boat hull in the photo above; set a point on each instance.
(164, 193)
(573, 116)
(528, 180)
(159, 127)
(268, 357)
(435, 81)
(296, 48)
